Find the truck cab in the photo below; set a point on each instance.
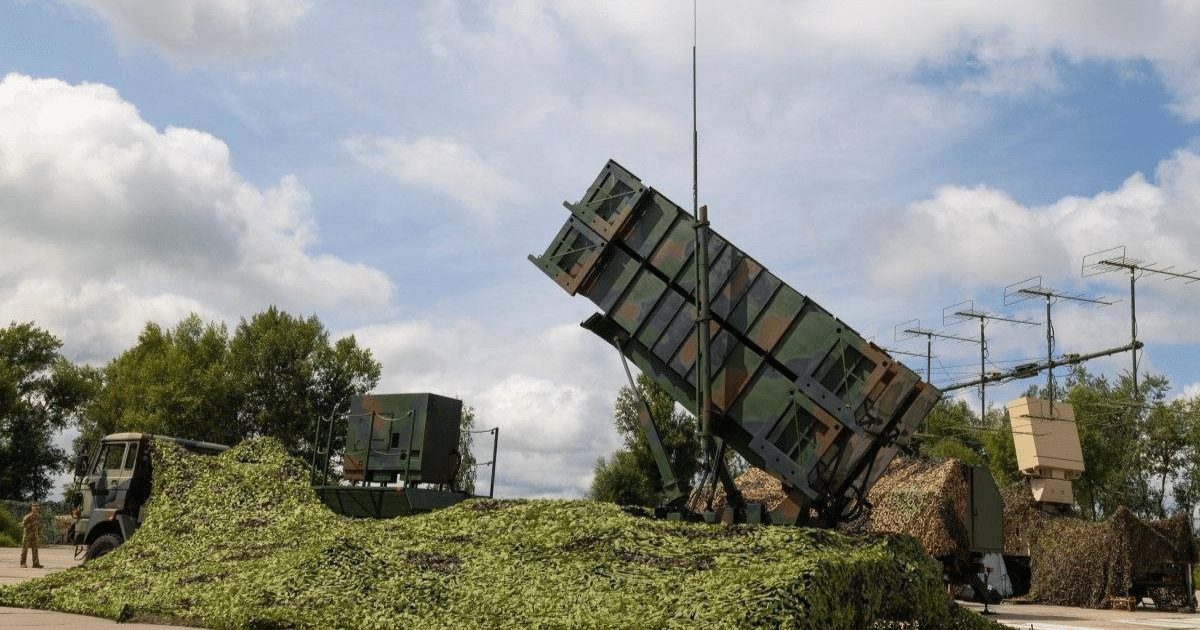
(114, 485)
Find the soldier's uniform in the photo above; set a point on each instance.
(32, 524)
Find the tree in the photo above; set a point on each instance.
(1164, 452)
(290, 377)
(40, 393)
(950, 430)
(171, 382)
(277, 376)
(631, 475)
(621, 479)
(1186, 490)
(1133, 445)
(999, 450)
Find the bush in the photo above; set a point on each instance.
(10, 530)
(18, 509)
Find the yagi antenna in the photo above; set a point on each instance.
(912, 328)
(963, 311)
(1032, 288)
(1114, 259)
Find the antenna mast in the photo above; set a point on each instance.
(1032, 288)
(912, 328)
(961, 312)
(1114, 259)
(703, 367)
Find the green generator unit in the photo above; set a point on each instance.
(410, 438)
(401, 456)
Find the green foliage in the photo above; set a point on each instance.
(951, 448)
(1134, 447)
(10, 530)
(276, 376)
(999, 450)
(40, 394)
(950, 430)
(171, 382)
(48, 509)
(621, 479)
(1141, 452)
(289, 376)
(240, 541)
(634, 478)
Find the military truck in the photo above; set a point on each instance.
(114, 485)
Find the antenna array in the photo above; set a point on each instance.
(963, 311)
(912, 328)
(1033, 288)
(1114, 259)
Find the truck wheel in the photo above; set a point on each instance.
(101, 546)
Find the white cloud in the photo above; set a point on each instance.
(983, 237)
(109, 222)
(442, 165)
(203, 31)
(1008, 48)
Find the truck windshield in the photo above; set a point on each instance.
(110, 458)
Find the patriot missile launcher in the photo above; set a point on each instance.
(794, 390)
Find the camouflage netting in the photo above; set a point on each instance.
(240, 541)
(923, 499)
(1076, 562)
(756, 486)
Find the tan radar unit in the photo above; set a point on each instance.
(1047, 445)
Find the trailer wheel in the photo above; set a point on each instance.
(101, 546)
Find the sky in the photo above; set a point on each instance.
(388, 166)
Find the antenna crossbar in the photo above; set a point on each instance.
(1033, 287)
(1114, 259)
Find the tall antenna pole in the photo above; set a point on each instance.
(703, 387)
(1032, 288)
(695, 126)
(912, 328)
(963, 311)
(1114, 259)
(1133, 326)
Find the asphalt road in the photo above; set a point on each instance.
(1028, 617)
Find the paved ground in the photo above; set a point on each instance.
(1059, 618)
(54, 558)
(59, 557)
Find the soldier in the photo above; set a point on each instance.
(32, 524)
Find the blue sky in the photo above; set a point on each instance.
(388, 166)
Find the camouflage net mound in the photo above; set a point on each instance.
(1076, 562)
(918, 498)
(756, 486)
(241, 541)
(923, 499)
